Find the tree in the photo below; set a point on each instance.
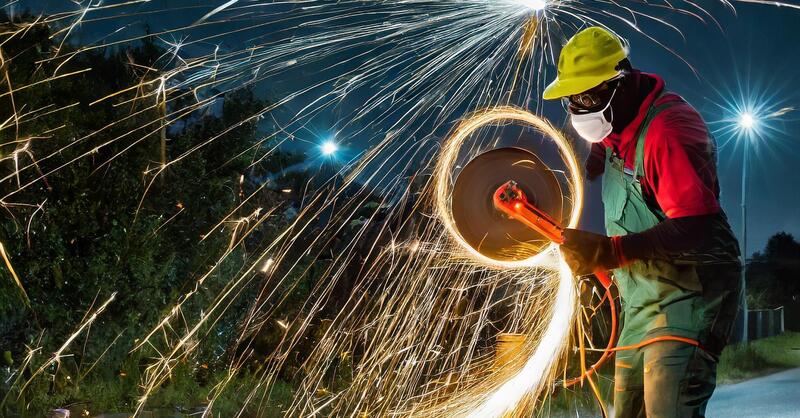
(774, 274)
(84, 230)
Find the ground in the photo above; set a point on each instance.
(771, 396)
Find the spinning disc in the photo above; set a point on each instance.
(485, 228)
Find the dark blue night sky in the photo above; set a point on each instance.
(752, 59)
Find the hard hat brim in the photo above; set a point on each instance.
(563, 88)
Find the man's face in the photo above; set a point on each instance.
(592, 100)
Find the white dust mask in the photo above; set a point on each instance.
(593, 126)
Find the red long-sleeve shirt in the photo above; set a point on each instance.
(679, 155)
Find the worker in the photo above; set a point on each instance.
(673, 255)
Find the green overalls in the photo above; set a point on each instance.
(663, 297)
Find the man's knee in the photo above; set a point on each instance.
(628, 386)
(679, 379)
(699, 384)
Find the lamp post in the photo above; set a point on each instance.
(747, 123)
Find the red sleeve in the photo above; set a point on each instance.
(679, 163)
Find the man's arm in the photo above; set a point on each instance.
(670, 237)
(586, 251)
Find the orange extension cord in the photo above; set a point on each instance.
(610, 349)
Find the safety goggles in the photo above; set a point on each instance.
(593, 99)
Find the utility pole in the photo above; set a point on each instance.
(746, 122)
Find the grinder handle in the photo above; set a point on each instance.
(511, 200)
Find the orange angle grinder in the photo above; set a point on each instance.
(508, 205)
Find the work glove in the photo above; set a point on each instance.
(585, 252)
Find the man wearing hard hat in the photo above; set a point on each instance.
(675, 260)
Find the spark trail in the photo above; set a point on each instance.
(416, 326)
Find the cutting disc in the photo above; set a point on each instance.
(485, 228)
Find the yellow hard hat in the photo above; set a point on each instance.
(588, 59)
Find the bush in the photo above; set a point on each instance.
(740, 361)
(744, 361)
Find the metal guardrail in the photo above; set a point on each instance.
(763, 323)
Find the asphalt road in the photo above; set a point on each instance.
(773, 396)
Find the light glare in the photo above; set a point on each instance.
(329, 147)
(747, 121)
(536, 5)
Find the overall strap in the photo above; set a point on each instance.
(642, 135)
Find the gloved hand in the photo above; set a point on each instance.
(586, 252)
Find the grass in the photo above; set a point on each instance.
(757, 358)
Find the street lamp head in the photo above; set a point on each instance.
(747, 121)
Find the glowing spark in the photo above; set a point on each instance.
(17, 281)
(507, 396)
(268, 265)
(536, 5)
(58, 354)
(216, 10)
(781, 112)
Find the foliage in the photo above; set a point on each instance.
(105, 224)
(773, 276)
(744, 361)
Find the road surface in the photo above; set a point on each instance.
(773, 396)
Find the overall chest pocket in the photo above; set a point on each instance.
(615, 199)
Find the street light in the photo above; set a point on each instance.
(747, 124)
(746, 121)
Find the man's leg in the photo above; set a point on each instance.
(678, 380)
(722, 293)
(629, 384)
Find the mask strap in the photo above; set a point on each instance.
(614, 93)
